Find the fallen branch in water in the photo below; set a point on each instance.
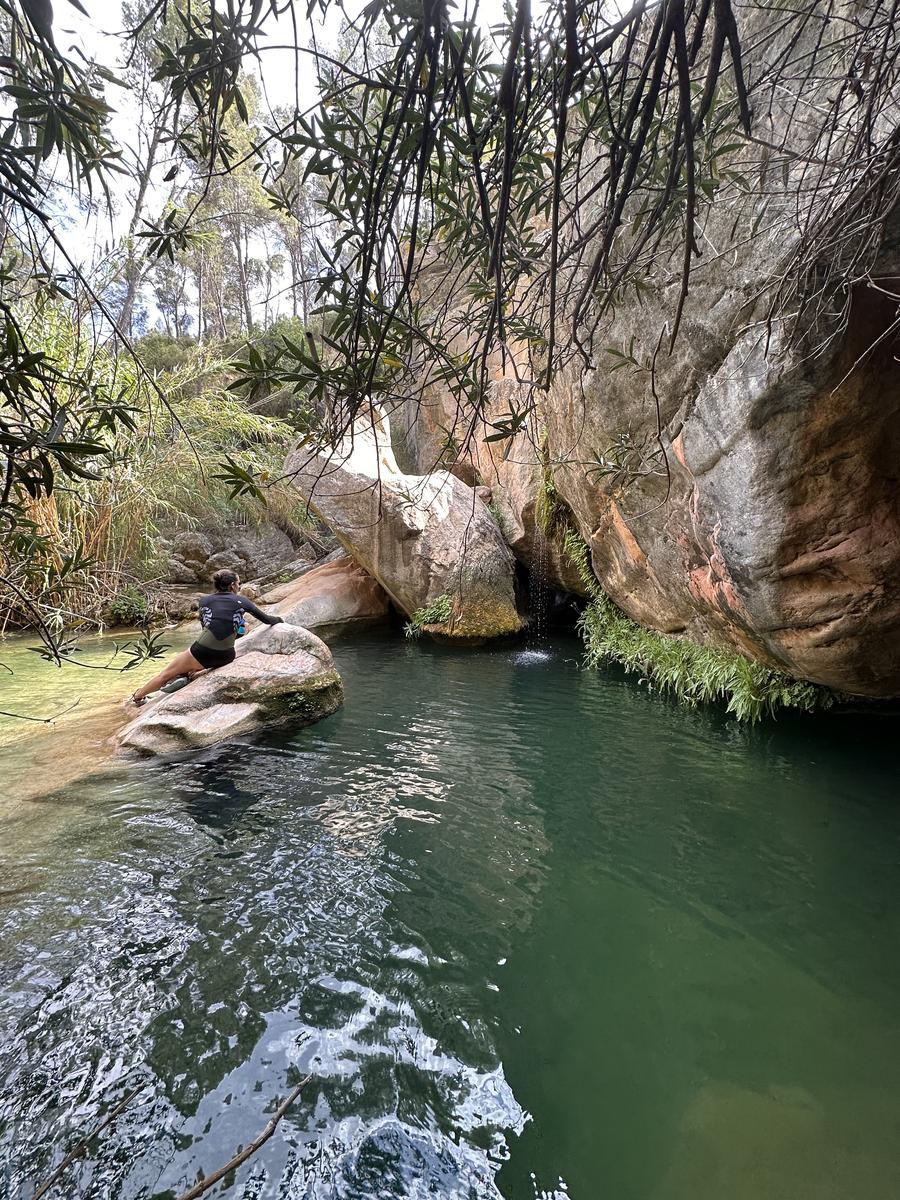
(207, 1182)
(73, 1154)
(40, 720)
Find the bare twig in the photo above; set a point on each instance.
(73, 1154)
(40, 720)
(209, 1180)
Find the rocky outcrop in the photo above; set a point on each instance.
(777, 529)
(333, 600)
(759, 508)
(255, 552)
(283, 675)
(515, 481)
(429, 540)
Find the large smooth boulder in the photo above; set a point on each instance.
(337, 598)
(514, 480)
(283, 674)
(428, 539)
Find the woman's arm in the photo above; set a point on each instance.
(266, 618)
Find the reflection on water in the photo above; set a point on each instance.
(533, 932)
(56, 721)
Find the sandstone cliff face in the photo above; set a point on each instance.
(766, 515)
(779, 534)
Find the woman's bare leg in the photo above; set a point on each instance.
(182, 664)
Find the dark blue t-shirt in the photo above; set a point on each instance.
(222, 615)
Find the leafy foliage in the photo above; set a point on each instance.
(130, 607)
(437, 612)
(77, 548)
(694, 674)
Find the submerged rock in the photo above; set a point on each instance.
(429, 540)
(283, 674)
(334, 599)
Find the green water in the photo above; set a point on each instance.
(533, 931)
(56, 721)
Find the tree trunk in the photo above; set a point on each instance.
(134, 266)
(200, 329)
(241, 254)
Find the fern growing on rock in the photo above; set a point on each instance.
(694, 674)
(437, 612)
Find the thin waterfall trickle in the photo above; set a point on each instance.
(539, 587)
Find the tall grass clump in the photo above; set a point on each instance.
(100, 537)
(692, 673)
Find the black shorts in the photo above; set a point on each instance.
(209, 658)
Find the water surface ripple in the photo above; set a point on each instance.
(533, 931)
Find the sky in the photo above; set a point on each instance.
(99, 36)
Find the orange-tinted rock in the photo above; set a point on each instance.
(771, 524)
(334, 599)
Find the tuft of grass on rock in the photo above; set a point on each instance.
(692, 673)
(551, 513)
(438, 612)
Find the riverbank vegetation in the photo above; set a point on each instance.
(681, 668)
(203, 259)
(91, 549)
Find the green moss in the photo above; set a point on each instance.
(694, 674)
(480, 620)
(320, 697)
(496, 511)
(438, 612)
(551, 513)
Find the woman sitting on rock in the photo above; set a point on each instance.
(222, 617)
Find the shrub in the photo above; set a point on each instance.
(130, 607)
(161, 353)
